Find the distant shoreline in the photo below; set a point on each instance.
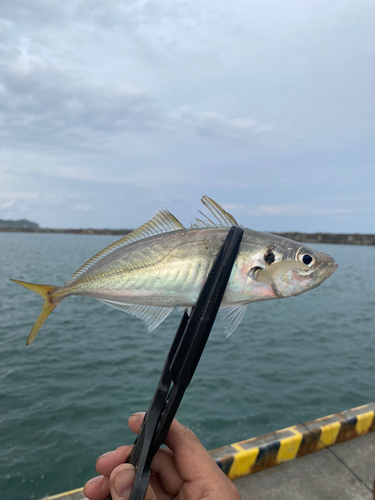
(336, 238)
(120, 232)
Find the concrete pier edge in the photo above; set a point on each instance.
(256, 454)
(67, 495)
(259, 453)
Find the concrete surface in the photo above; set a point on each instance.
(319, 476)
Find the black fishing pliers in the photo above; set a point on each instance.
(181, 362)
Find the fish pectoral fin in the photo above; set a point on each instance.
(231, 317)
(151, 315)
(277, 269)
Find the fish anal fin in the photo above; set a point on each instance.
(151, 315)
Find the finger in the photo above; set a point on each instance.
(97, 488)
(121, 483)
(135, 421)
(164, 469)
(178, 435)
(107, 462)
(185, 445)
(159, 491)
(162, 465)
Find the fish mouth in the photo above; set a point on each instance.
(314, 279)
(327, 268)
(331, 269)
(323, 272)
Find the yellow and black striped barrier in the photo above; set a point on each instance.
(256, 454)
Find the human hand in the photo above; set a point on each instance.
(184, 471)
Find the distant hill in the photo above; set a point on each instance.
(18, 223)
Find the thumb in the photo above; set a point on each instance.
(121, 483)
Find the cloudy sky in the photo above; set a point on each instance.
(109, 109)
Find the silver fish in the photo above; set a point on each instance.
(163, 265)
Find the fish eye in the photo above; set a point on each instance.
(306, 258)
(269, 257)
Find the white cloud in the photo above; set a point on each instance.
(17, 204)
(214, 124)
(71, 204)
(290, 210)
(10, 201)
(45, 107)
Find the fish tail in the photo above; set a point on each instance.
(50, 302)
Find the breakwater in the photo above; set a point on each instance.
(335, 238)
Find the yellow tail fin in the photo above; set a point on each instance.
(49, 305)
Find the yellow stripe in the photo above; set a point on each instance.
(289, 446)
(328, 435)
(364, 421)
(243, 461)
(62, 495)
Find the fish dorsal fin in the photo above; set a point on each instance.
(223, 219)
(277, 269)
(162, 222)
(151, 315)
(231, 317)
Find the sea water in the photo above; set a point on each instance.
(66, 398)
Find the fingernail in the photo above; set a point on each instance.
(95, 479)
(104, 455)
(123, 482)
(136, 414)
